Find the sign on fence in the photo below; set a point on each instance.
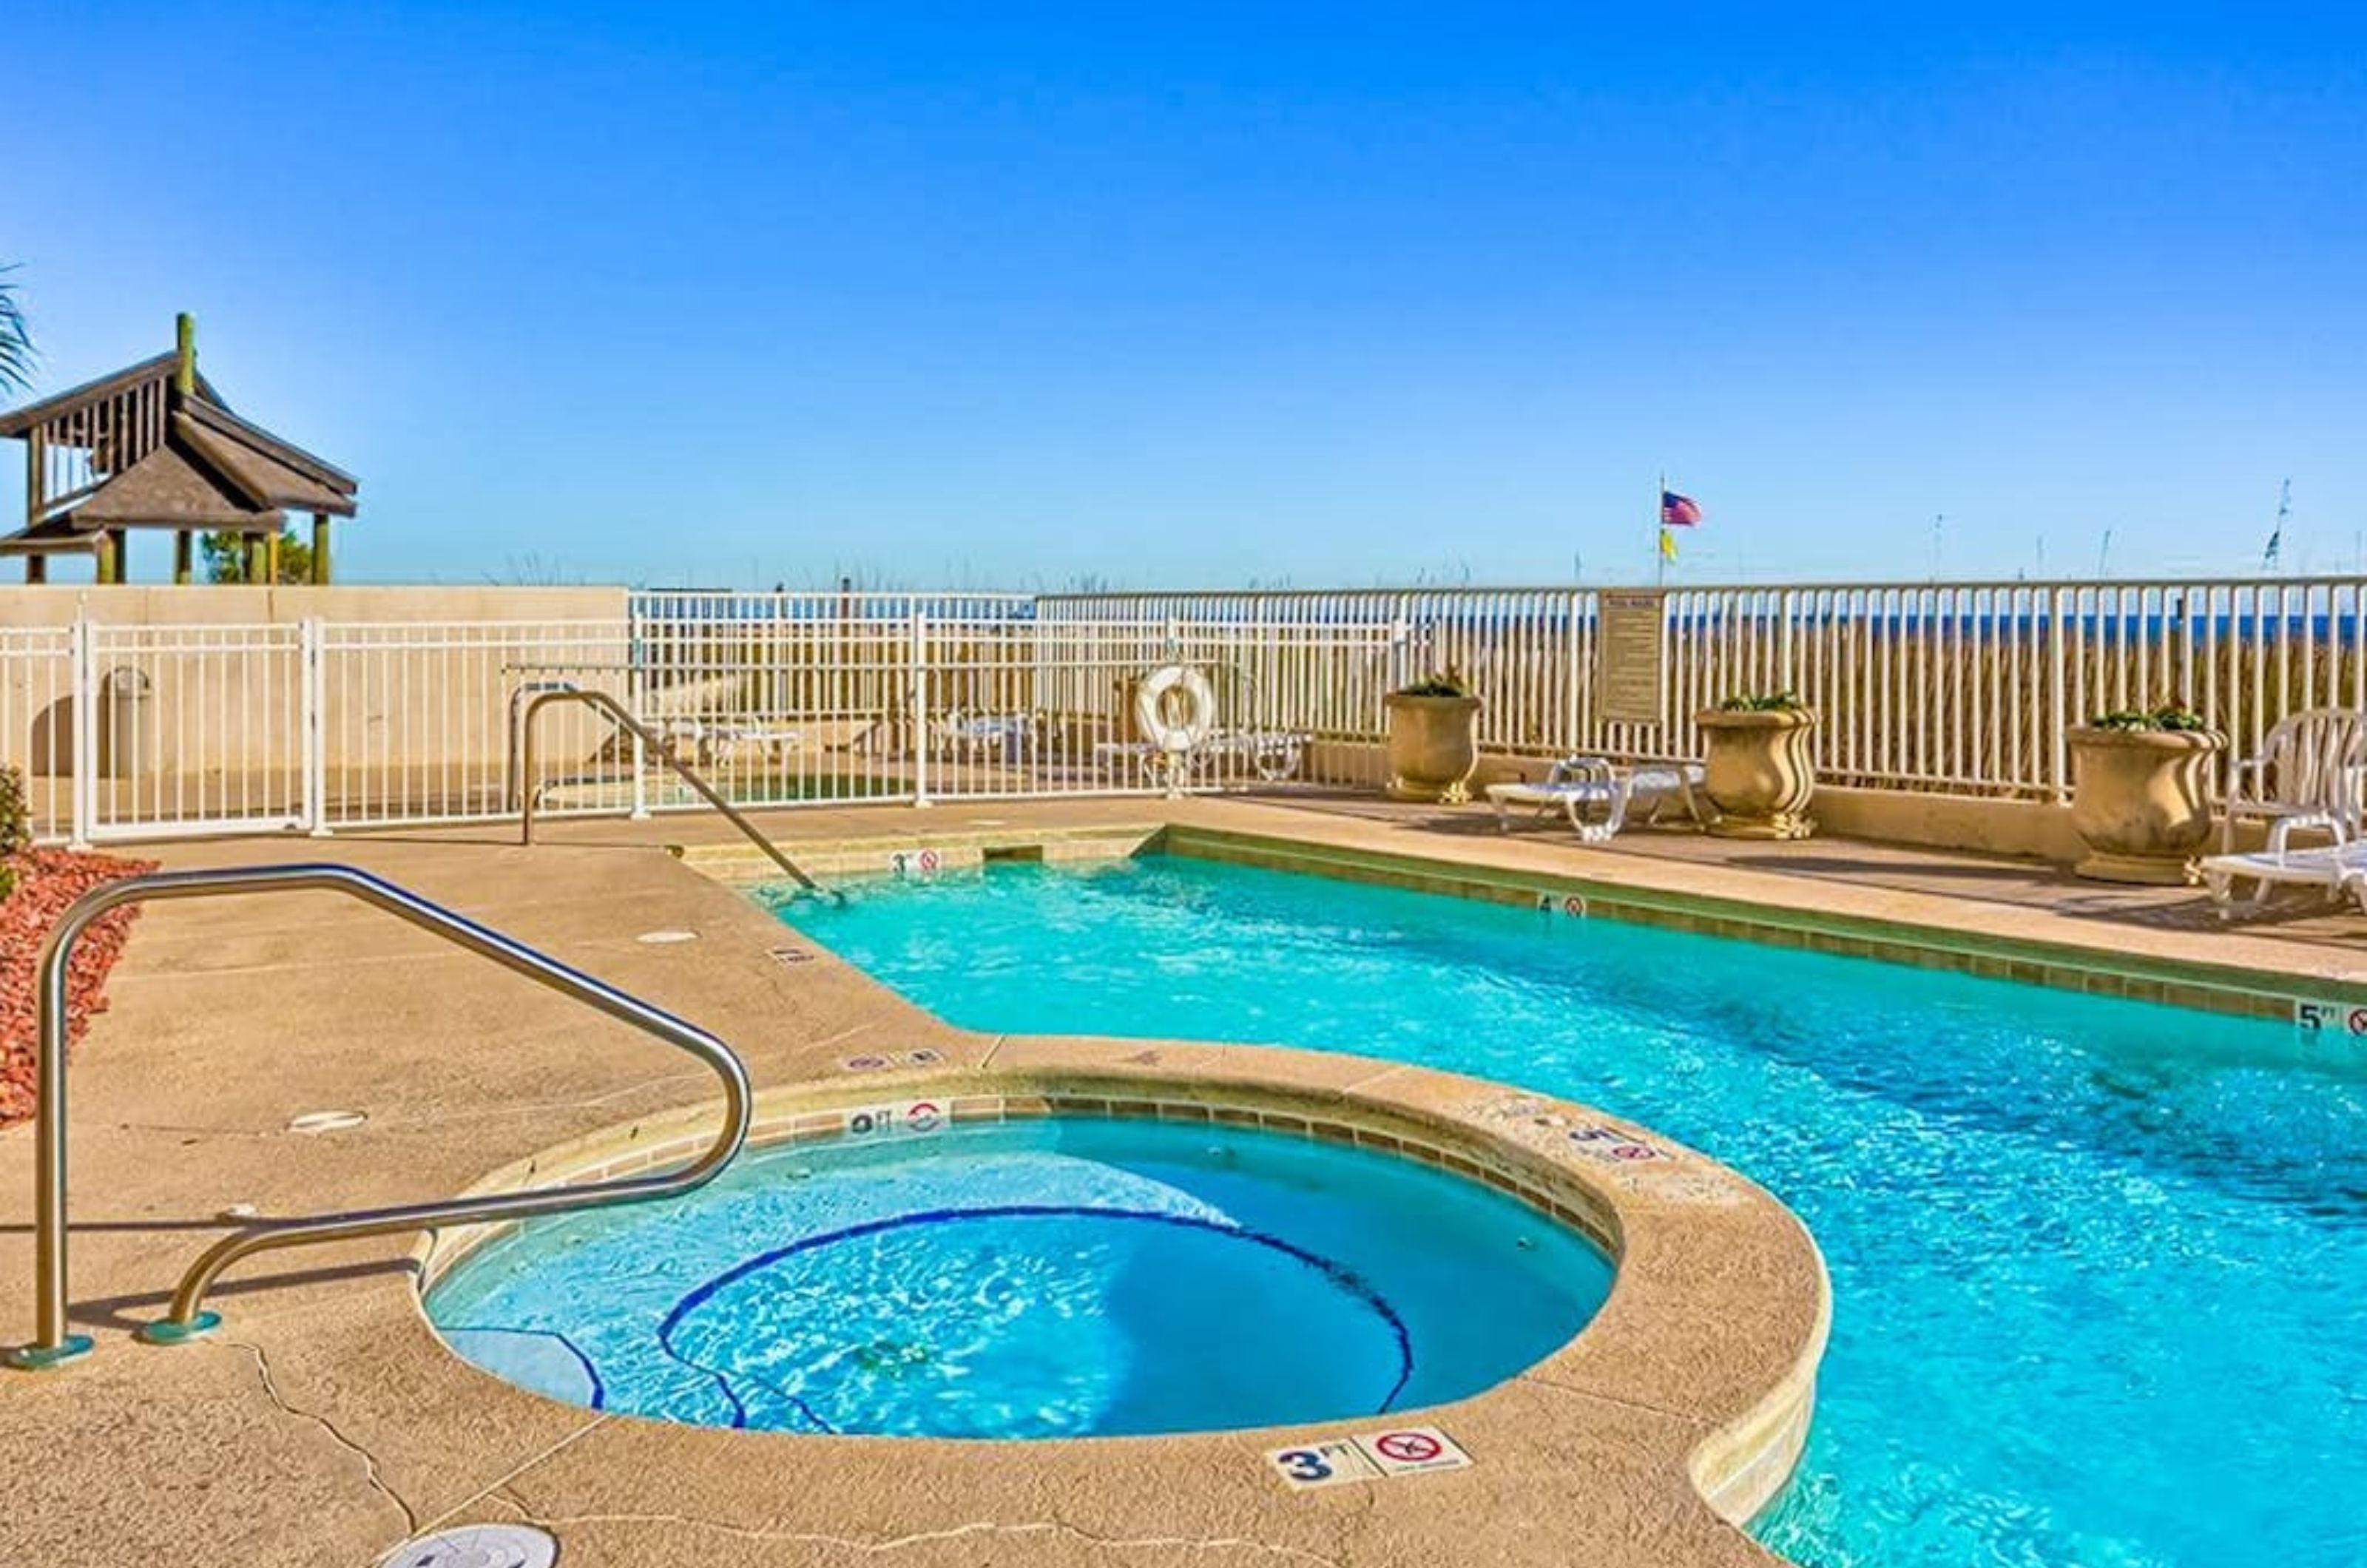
(1630, 656)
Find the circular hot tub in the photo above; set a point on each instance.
(1055, 1277)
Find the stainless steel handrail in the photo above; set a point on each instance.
(187, 1318)
(512, 771)
(591, 697)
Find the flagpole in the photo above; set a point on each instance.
(1660, 534)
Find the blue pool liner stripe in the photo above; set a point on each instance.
(1341, 1276)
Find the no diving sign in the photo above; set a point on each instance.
(915, 1118)
(1368, 1456)
(1418, 1447)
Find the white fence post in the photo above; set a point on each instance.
(636, 702)
(1574, 673)
(310, 715)
(918, 658)
(84, 684)
(2058, 697)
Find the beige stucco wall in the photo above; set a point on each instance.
(2026, 827)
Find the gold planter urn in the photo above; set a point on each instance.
(1760, 772)
(1434, 747)
(2139, 801)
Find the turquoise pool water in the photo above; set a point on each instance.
(2100, 1268)
(1044, 1279)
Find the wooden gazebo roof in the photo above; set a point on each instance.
(154, 445)
(50, 539)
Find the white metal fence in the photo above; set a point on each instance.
(782, 699)
(38, 667)
(1961, 687)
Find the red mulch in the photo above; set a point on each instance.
(47, 880)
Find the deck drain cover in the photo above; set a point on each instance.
(327, 1121)
(664, 939)
(477, 1546)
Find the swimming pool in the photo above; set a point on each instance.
(2100, 1268)
(1036, 1279)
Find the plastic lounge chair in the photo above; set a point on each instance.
(712, 741)
(1005, 736)
(2339, 869)
(769, 739)
(1581, 787)
(2309, 773)
(1271, 754)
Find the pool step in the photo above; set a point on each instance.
(922, 853)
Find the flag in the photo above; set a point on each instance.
(1668, 545)
(1679, 510)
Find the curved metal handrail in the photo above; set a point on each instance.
(187, 1318)
(591, 697)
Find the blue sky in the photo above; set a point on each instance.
(1019, 296)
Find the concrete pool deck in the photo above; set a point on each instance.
(325, 1423)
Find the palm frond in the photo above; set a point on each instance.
(15, 339)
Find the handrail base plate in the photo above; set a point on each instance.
(172, 1331)
(42, 1357)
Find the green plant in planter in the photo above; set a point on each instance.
(2168, 716)
(1444, 683)
(1762, 702)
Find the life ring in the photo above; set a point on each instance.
(1165, 728)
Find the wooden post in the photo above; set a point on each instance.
(36, 569)
(320, 548)
(184, 557)
(271, 559)
(254, 569)
(105, 559)
(184, 347)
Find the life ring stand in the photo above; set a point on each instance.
(1155, 702)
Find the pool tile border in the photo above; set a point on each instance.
(923, 852)
(1543, 1189)
(2059, 967)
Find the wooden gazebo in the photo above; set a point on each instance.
(155, 446)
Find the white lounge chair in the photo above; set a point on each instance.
(712, 740)
(2311, 772)
(1597, 794)
(1272, 755)
(2339, 869)
(1005, 737)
